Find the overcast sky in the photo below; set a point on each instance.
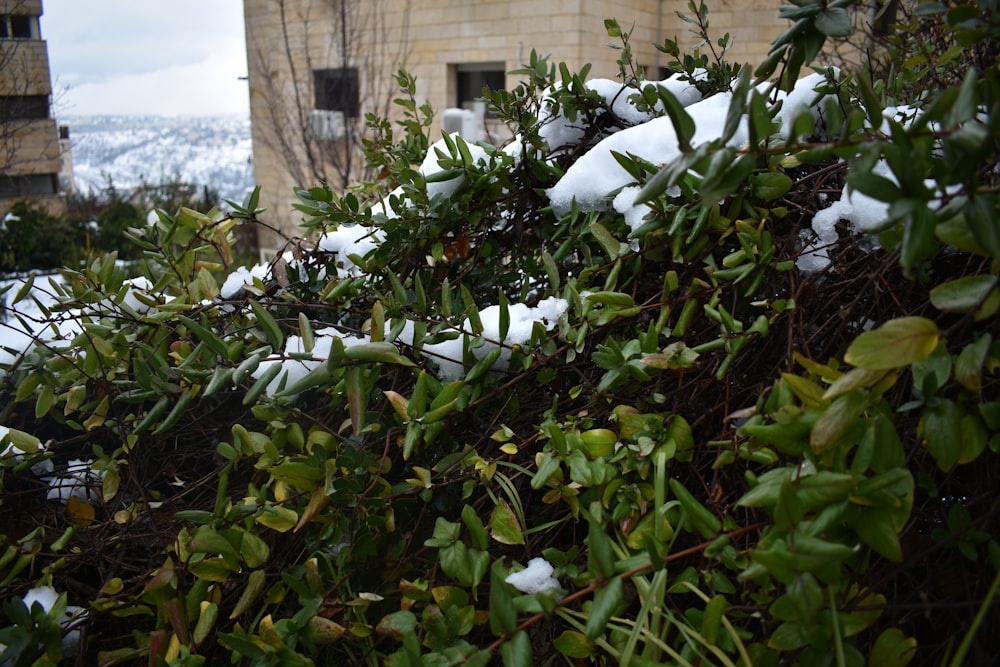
(164, 57)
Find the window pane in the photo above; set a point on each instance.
(337, 90)
(40, 184)
(8, 187)
(470, 84)
(24, 107)
(20, 26)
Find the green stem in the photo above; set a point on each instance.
(963, 648)
(838, 642)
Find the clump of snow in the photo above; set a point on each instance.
(865, 214)
(431, 166)
(242, 277)
(536, 578)
(597, 175)
(448, 354)
(46, 597)
(130, 301)
(803, 98)
(349, 240)
(559, 132)
(296, 363)
(78, 480)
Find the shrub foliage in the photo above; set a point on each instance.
(725, 459)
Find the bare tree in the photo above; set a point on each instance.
(322, 67)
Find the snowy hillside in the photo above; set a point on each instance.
(210, 150)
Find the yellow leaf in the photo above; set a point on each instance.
(81, 511)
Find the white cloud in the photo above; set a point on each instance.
(201, 89)
(184, 57)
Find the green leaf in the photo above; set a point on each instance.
(546, 469)
(397, 625)
(477, 532)
(46, 397)
(607, 602)
(385, 353)
(356, 399)
(212, 569)
(600, 553)
(697, 515)
(503, 616)
(277, 517)
(254, 550)
(206, 335)
(896, 343)
(574, 644)
(981, 216)
(963, 295)
(770, 185)
(516, 652)
(969, 365)
(892, 649)
(788, 637)
(675, 356)
(254, 586)
(611, 299)
(598, 442)
(942, 428)
(504, 525)
(833, 22)
(836, 420)
(611, 245)
(877, 527)
(483, 365)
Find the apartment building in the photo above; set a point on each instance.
(29, 139)
(316, 67)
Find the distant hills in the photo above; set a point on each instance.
(132, 150)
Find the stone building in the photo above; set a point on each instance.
(317, 66)
(29, 139)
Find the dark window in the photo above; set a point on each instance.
(24, 107)
(18, 26)
(29, 184)
(471, 78)
(337, 89)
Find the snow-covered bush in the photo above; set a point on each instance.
(700, 371)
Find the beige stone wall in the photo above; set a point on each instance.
(29, 147)
(29, 7)
(25, 69)
(431, 37)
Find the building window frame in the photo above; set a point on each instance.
(13, 186)
(19, 26)
(471, 78)
(24, 107)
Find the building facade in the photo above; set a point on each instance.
(30, 159)
(316, 67)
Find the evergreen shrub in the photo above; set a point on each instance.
(699, 420)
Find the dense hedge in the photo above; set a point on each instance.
(697, 372)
